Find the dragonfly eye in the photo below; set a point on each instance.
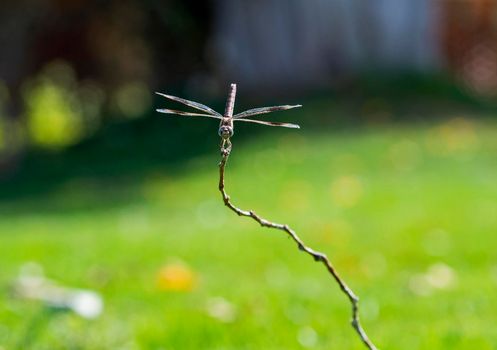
(225, 132)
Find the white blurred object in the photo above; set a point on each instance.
(438, 276)
(31, 284)
(221, 309)
(307, 337)
(86, 303)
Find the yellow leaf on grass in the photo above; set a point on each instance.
(176, 277)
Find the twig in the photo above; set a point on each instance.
(226, 127)
(317, 256)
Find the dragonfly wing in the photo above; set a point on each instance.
(286, 125)
(192, 104)
(188, 114)
(264, 110)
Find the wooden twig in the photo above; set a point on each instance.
(226, 129)
(317, 256)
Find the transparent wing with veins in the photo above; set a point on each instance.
(208, 112)
(264, 110)
(286, 125)
(188, 114)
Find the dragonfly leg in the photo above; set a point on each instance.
(225, 147)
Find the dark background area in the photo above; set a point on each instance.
(77, 78)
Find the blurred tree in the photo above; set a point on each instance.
(281, 43)
(470, 43)
(116, 52)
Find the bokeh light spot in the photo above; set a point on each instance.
(177, 277)
(133, 99)
(307, 337)
(441, 276)
(53, 120)
(404, 155)
(221, 309)
(346, 191)
(370, 309)
(295, 196)
(374, 265)
(454, 137)
(54, 112)
(438, 276)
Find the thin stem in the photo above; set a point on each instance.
(317, 256)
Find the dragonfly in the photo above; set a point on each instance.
(226, 125)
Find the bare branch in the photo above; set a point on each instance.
(227, 122)
(192, 104)
(317, 256)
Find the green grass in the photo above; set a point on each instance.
(407, 213)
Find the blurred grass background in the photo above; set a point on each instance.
(392, 174)
(406, 212)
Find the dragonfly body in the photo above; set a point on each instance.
(226, 125)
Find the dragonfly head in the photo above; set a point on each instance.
(226, 128)
(225, 131)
